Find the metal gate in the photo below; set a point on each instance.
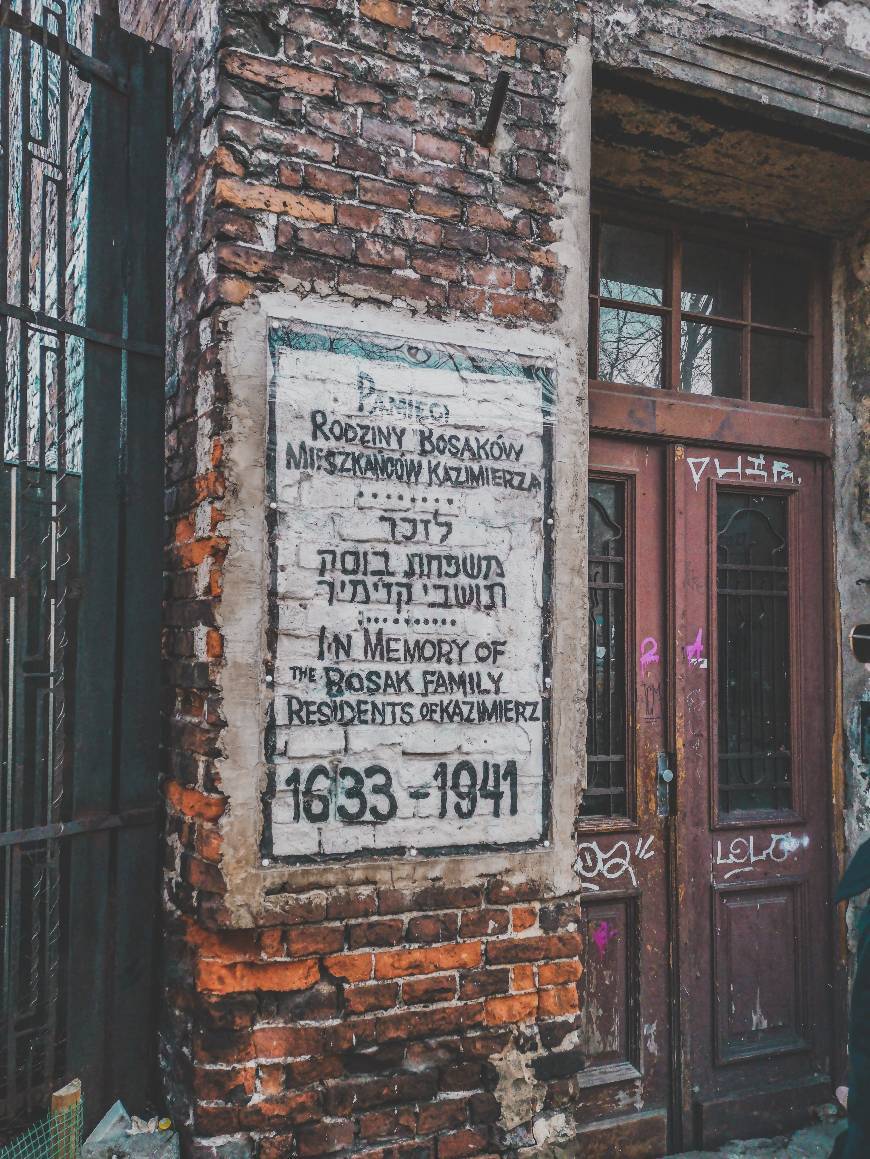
(82, 272)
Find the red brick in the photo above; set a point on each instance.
(324, 1138)
(225, 978)
(350, 967)
(439, 205)
(387, 12)
(276, 74)
(443, 1115)
(245, 195)
(438, 1020)
(533, 949)
(522, 978)
(558, 1001)
(358, 217)
(437, 988)
(271, 1079)
(484, 923)
(287, 1041)
(433, 928)
(274, 1113)
(372, 251)
(483, 983)
(352, 155)
(402, 963)
(314, 940)
(377, 996)
(389, 932)
(351, 903)
(554, 973)
(382, 193)
(320, 241)
(523, 917)
(223, 1084)
(437, 148)
(512, 1008)
(395, 1123)
(192, 803)
(462, 1143)
(329, 181)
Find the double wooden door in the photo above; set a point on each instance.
(704, 846)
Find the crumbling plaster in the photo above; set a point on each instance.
(620, 25)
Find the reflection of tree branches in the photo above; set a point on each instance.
(696, 364)
(630, 347)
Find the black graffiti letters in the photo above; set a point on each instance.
(473, 447)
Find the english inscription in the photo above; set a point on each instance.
(410, 540)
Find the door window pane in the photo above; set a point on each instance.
(710, 359)
(712, 281)
(780, 292)
(778, 369)
(753, 652)
(629, 347)
(632, 264)
(605, 795)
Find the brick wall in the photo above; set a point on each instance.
(340, 157)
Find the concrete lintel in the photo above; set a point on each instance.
(786, 75)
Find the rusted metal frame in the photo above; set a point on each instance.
(88, 67)
(88, 333)
(128, 818)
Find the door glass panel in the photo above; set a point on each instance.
(632, 264)
(630, 347)
(779, 369)
(710, 359)
(605, 795)
(712, 281)
(753, 652)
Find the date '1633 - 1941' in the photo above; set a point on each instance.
(368, 796)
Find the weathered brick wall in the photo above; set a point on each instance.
(343, 160)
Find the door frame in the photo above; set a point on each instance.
(668, 416)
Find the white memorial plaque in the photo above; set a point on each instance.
(409, 499)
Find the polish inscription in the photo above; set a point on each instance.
(410, 543)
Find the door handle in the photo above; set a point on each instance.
(664, 780)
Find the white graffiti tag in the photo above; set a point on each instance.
(593, 861)
(751, 467)
(742, 853)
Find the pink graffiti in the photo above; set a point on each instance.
(649, 652)
(602, 934)
(695, 652)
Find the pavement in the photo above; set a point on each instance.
(809, 1143)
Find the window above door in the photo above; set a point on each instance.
(688, 312)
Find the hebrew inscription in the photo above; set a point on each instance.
(410, 538)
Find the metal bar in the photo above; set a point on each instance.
(88, 333)
(88, 67)
(129, 818)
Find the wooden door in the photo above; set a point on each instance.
(707, 1001)
(753, 782)
(623, 838)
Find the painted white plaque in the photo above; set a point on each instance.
(409, 499)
